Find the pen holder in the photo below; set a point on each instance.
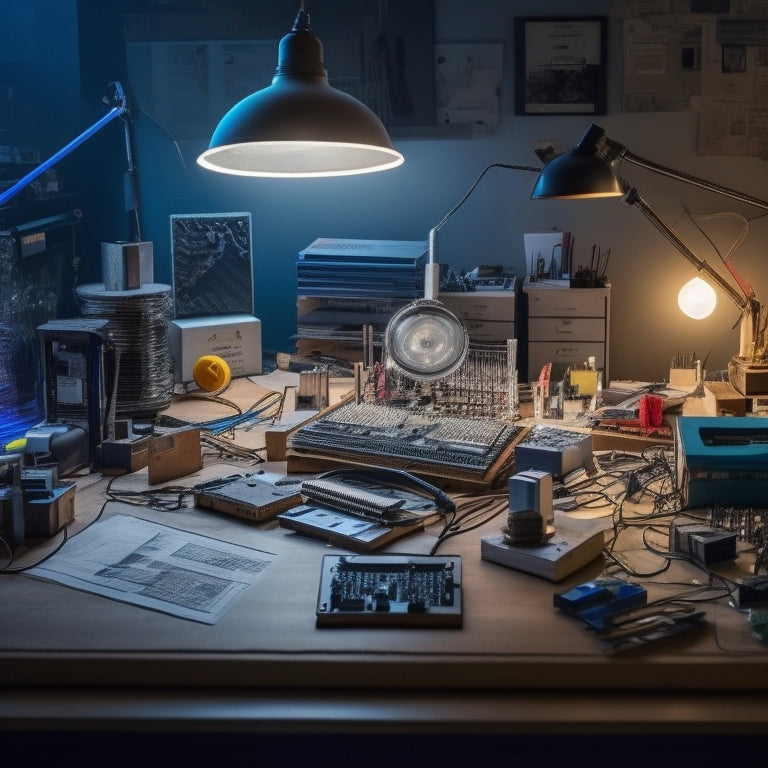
(588, 278)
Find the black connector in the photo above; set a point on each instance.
(703, 544)
(752, 592)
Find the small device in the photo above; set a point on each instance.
(530, 521)
(80, 383)
(595, 601)
(11, 501)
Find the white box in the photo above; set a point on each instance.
(236, 339)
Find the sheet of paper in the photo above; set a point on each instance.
(157, 567)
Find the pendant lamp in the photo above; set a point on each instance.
(300, 126)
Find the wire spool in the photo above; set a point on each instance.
(138, 321)
(211, 373)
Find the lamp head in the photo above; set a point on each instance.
(300, 126)
(587, 170)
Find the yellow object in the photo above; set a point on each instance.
(16, 445)
(586, 381)
(211, 373)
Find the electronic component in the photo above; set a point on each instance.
(80, 369)
(530, 521)
(260, 496)
(721, 461)
(596, 600)
(358, 501)
(462, 450)
(752, 591)
(701, 543)
(49, 505)
(554, 450)
(11, 501)
(390, 590)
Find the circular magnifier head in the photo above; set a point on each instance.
(425, 341)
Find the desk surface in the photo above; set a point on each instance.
(516, 664)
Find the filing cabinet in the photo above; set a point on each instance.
(490, 316)
(566, 325)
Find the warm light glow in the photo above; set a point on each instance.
(697, 299)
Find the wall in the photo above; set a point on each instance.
(647, 328)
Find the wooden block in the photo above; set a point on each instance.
(727, 401)
(174, 455)
(276, 438)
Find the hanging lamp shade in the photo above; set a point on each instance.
(587, 170)
(300, 126)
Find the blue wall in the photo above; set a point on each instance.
(646, 327)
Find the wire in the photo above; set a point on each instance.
(471, 512)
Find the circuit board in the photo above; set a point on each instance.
(390, 590)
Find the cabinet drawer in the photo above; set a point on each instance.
(490, 331)
(481, 305)
(551, 352)
(564, 328)
(578, 302)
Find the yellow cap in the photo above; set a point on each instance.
(17, 445)
(211, 373)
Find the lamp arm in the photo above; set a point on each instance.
(433, 232)
(633, 198)
(118, 110)
(695, 181)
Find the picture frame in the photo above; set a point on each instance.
(560, 65)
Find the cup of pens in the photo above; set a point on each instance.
(595, 275)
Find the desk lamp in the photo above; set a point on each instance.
(299, 126)
(591, 170)
(425, 340)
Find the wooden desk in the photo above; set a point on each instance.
(76, 662)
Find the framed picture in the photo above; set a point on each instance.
(560, 66)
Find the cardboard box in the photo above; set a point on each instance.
(234, 338)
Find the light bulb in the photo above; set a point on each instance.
(697, 299)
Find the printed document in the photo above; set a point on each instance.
(155, 566)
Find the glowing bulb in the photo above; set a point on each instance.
(697, 299)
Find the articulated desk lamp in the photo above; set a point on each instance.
(591, 170)
(299, 126)
(425, 340)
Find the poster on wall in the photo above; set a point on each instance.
(468, 83)
(211, 259)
